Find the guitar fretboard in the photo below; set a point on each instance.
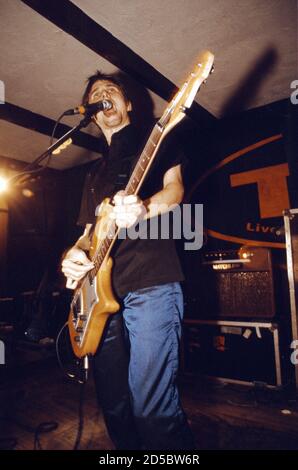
(134, 184)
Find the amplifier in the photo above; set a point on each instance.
(233, 284)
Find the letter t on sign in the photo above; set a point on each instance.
(272, 188)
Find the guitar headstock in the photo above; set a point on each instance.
(183, 99)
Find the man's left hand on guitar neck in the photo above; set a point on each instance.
(128, 210)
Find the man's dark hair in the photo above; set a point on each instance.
(102, 76)
(141, 115)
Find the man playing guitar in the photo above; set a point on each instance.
(136, 365)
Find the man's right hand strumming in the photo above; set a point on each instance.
(75, 265)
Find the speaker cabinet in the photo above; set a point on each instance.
(232, 284)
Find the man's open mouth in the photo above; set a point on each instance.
(110, 111)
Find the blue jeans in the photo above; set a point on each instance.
(136, 371)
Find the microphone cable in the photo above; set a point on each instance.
(81, 415)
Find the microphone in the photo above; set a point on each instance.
(89, 109)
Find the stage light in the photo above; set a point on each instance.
(3, 184)
(27, 193)
(245, 253)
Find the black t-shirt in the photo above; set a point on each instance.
(137, 263)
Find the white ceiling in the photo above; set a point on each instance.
(44, 68)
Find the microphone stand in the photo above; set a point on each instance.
(83, 123)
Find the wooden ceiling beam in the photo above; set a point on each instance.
(72, 20)
(44, 125)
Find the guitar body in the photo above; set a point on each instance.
(96, 302)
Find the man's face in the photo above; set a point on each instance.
(117, 117)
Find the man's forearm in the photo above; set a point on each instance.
(167, 198)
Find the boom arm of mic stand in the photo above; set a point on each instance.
(83, 123)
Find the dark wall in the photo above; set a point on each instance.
(238, 170)
(40, 227)
(35, 230)
(244, 171)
